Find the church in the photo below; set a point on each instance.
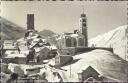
(77, 39)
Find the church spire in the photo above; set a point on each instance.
(83, 15)
(83, 8)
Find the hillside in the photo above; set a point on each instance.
(115, 38)
(10, 30)
(49, 35)
(110, 66)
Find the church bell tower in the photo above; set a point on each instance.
(83, 26)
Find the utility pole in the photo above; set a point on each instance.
(70, 71)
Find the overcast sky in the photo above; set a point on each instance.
(64, 16)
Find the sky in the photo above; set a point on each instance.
(63, 16)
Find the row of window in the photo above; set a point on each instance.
(69, 42)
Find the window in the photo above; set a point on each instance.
(84, 20)
(68, 42)
(81, 42)
(74, 42)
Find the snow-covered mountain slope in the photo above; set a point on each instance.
(115, 39)
(110, 66)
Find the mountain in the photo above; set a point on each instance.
(116, 39)
(46, 33)
(10, 30)
(50, 35)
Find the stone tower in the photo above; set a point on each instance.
(83, 27)
(30, 21)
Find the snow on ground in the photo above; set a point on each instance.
(104, 62)
(115, 38)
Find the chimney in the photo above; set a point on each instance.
(30, 21)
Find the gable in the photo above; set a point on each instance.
(90, 71)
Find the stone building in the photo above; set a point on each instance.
(61, 60)
(30, 21)
(78, 38)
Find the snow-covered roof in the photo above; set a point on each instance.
(21, 40)
(84, 68)
(74, 35)
(15, 55)
(23, 48)
(8, 41)
(37, 49)
(52, 47)
(9, 47)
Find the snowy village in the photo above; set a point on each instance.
(75, 58)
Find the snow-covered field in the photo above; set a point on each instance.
(106, 63)
(115, 38)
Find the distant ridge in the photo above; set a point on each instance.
(10, 30)
(49, 35)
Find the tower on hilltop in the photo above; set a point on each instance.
(30, 21)
(83, 26)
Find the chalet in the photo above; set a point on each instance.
(53, 50)
(89, 74)
(42, 53)
(23, 50)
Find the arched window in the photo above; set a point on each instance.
(68, 42)
(81, 42)
(74, 42)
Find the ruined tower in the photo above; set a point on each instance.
(30, 21)
(83, 27)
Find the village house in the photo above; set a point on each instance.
(15, 58)
(88, 74)
(61, 60)
(38, 42)
(42, 54)
(9, 48)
